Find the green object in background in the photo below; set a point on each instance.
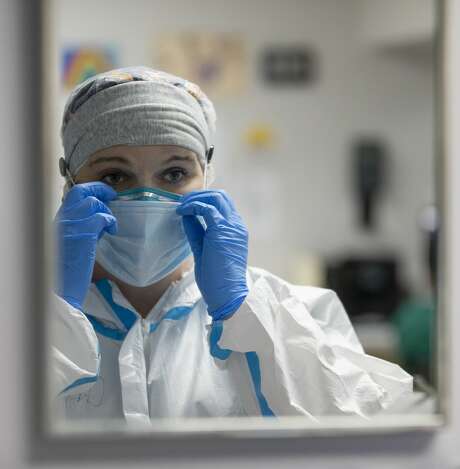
(415, 323)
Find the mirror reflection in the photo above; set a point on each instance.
(245, 221)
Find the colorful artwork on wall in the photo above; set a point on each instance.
(82, 62)
(217, 62)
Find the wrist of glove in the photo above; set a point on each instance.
(220, 250)
(75, 263)
(227, 310)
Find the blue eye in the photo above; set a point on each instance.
(174, 175)
(114, 178)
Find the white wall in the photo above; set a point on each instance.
(18, 136)
(360, 90)
(394, 21)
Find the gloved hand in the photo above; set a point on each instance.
(81, 220)
(220, 250)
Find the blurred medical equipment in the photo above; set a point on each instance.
(366, 285)
(415, 318)
(368, 177)
(430, 224)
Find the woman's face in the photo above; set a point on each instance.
(167, 167)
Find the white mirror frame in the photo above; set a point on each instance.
(203, 434)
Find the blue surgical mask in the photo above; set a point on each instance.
(150, 242)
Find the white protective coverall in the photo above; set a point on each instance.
(288, 350)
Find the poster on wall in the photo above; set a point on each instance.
(81, 62)
(217, 62)
(288, 65)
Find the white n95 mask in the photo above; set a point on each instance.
(150, 241)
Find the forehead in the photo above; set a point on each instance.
(146, 151)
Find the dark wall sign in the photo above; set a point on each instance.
(289, 65)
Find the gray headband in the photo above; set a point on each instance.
(136, 113)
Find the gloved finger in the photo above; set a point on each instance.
(84, 208)
(100, 190)
(211, 215)
(229, 200)
(94, 224)
(103, 222)
(222, 192)
(216, 198)
(194, 232)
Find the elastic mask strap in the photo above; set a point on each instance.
(205, 183)
(64, 170)
(70, 179)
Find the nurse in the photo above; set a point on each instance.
(156, 312)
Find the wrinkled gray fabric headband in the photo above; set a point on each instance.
(135, 113)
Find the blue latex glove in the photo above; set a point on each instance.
(80, 221)
(220, 251)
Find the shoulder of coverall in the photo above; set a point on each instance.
(284, 288)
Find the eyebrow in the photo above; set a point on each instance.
(179, 158)
(121, 159)
(110, 159)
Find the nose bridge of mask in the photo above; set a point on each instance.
(148, 194)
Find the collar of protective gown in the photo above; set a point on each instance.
(181, 293)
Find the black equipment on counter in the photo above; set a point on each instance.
(366, 285)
